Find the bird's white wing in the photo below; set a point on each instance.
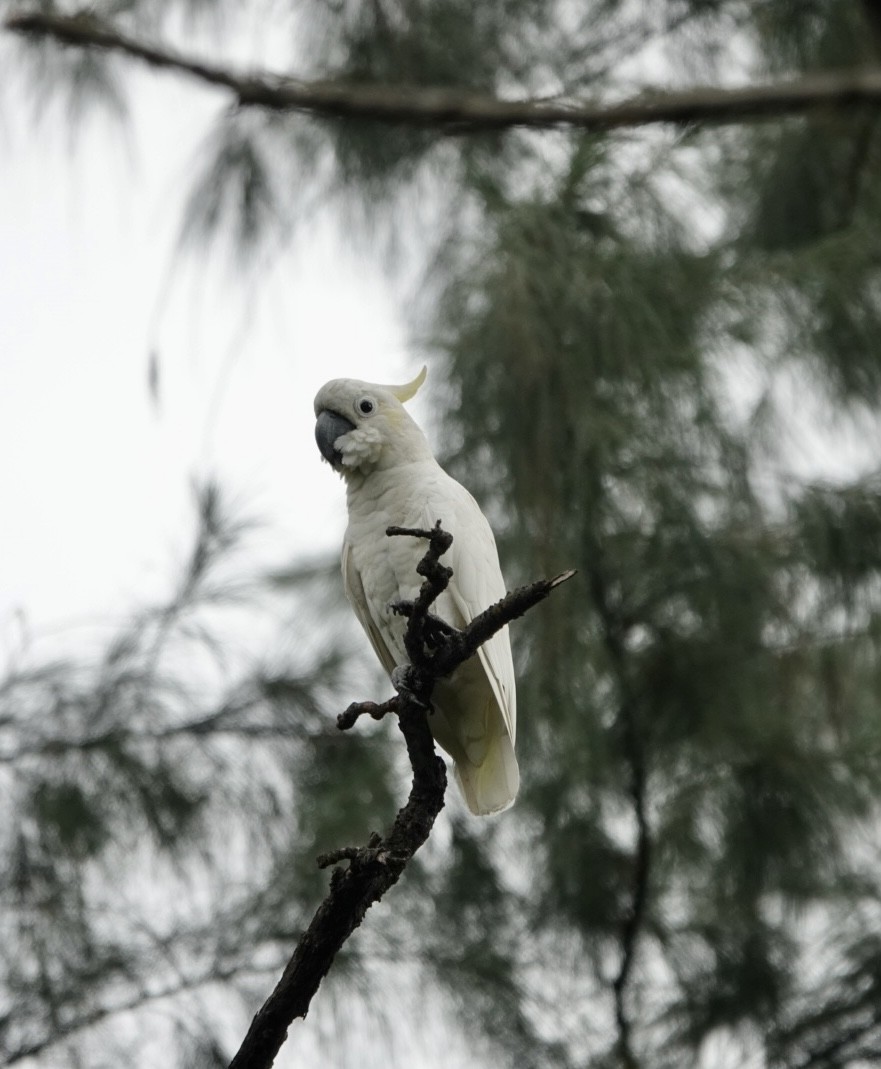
(474, 711)
(477, 583)
(359, 602)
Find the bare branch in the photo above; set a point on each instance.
(374, 868)
(455, 111)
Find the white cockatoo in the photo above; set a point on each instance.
(392, 478)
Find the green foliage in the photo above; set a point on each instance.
(86, 82)
(814, 36)
(813, 188)
(235, 195)
(70, 822)
(841, 531)
(133, 780)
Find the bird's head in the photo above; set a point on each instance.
(362, 426)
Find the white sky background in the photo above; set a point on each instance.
(96, 506)
(95, 501)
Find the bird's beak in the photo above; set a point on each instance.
(329, 427)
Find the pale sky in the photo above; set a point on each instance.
(95, 500)
(95, 481)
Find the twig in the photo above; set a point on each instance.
(347, 719)
(456, 111)
(437, 578)
(371, 870)
(464, 644)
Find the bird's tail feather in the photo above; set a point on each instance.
(493, 784)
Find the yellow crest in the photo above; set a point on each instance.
(409, 389)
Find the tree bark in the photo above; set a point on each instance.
(454, 111)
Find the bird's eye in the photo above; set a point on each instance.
(365, 406)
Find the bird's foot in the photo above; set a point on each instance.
(437, 631)
(408, 683)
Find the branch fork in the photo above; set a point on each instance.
(435, 649)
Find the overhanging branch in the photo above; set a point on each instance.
(455, 111)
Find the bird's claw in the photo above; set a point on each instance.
(406, 682)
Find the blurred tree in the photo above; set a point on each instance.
(691, 875)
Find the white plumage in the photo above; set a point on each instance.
(392, 478)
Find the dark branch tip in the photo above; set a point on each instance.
(333, 857)
(440, 539)
(349, 718)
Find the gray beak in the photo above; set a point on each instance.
(329, 427)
